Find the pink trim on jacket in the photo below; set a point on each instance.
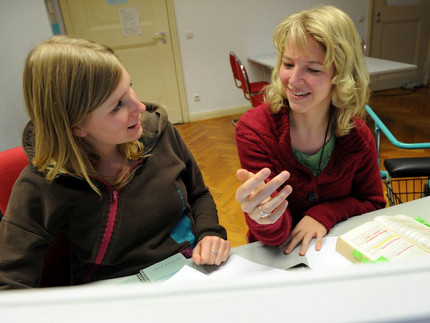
(109, 227)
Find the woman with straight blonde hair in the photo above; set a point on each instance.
(55, 70)
(308, 159)
(108, 171)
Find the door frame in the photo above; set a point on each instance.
(177, 58)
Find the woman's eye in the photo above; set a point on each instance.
(313, 70)
(118, 106)
(288, 65)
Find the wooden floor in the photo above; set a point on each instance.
(406, 113)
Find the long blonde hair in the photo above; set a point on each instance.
(64, 80)
(334, 30)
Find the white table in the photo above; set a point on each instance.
(274, 257)
(379, 69)
(378, 292)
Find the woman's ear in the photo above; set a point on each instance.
(79, 132)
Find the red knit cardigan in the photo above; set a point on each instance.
(349, 185)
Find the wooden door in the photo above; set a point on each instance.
(139, 33)
(400, 31)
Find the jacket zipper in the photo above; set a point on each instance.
(107, 235)
(109, 227)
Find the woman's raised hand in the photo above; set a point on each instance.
(255, 195)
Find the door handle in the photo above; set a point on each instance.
(161, 35)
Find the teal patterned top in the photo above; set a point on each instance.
(312, 161)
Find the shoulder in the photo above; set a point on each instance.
(360, 138)
(154, 123)
(363, 132)
(27, 140)
(261, 121)
(154, 118)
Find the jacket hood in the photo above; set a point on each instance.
(154, 121)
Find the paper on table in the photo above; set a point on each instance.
(238, 266)
(186, 274)
(235, 266)
(327, 257)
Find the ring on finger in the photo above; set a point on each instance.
(262, 213)
(214, 251)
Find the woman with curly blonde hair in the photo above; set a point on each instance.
(308, 142)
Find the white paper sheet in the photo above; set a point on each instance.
(327, 257)
(235, 266)
(130, 22)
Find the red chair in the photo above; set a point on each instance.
(56, 267)
(252, 91)
(234, 69)
(12, 162)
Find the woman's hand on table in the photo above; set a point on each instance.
(307, 229)
(211, 250)
(255, 195)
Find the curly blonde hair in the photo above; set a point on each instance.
(334, 30)
(64, 80)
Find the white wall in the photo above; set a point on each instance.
(244, 26)
(23, 24)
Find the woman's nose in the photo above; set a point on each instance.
(142, 107)
(136, 105)
(296, 75)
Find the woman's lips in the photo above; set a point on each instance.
(298, 94)
(134, 126)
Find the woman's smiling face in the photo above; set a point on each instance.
(307, 85)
